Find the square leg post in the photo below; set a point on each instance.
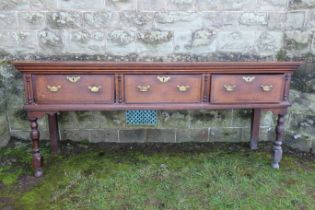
(255, 123)
(53, 132)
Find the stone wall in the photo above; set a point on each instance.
(164, 30)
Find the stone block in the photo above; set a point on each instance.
(100, 20)
(178, 20)
(25, 135)
(253, 19)
(104, 135)
(43, 4)
(269, 42)
(301, 144)
(137, 19)
(210, 118)
(51, 41)
(64, 20)
(237, 41)
(222, 19)
(225, 134)
(8, 20)
(155, 41)
(151, 5)
(301, 4)
(9, 41)
(276, 20)
(182, 41)
(310, 20)
(297, 42)
(81, 5)
(295, 20)
(86, 42)
(121, 42)
(272, 5)
(160, 135)
(179, 4)
(302, 102)
(75, 135)
(91, 120)
(132, 135)
(27, 42)
(173, 119)
(31, 20)
(192, 135)
(120, 5)
(14, 5)
(241, 117)
(225, 5)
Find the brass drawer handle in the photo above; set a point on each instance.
(249, 79)
(54, 89)
(163, 79)
(183, 88)
(144, 88)
(229, 88)
(73, 79)
(266, 88)
(95, 89)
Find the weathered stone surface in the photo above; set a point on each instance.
(86, 42)
(180, 4)
(63, 20)
(301, 4)
(25, 134)
(51, 41)
(14, 4)
(211, 118)
(295, 20)
(155, 41)
(225, 5)
(8, 20)
(75, 135)
(104, 135)
(269, 42)
(81, 5)
(120, 5)
(160, 135)
(4, 129)
(132, 135)
(99, 20)
(151, 5)
(178, 20)
(301, 144)
(192, 135)
(303, 80)
(236, 41)
(43, 4)
(31, 20)
(27, 42)
(297, 42)
(313, 147)
(174, 119)
(276, 21)
(225, 134)
(273, 5)
(9, 41)
(121, 42)
(253, 19)
(137, 19)
(241, 118)
(310, 20)
(221, 19)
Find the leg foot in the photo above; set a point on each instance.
(38, 172)
(253, 145)
(277, 148)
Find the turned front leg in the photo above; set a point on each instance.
(277, 149)
(37, 158)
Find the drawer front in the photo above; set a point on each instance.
(247, 88)
(163, 88)
(74, 88)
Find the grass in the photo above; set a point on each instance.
(134, 178)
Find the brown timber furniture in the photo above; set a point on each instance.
(51, 87)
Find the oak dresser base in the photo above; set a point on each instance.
(51, 87)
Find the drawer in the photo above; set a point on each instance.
(162, 88)
(247, 88)
(74, 88)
